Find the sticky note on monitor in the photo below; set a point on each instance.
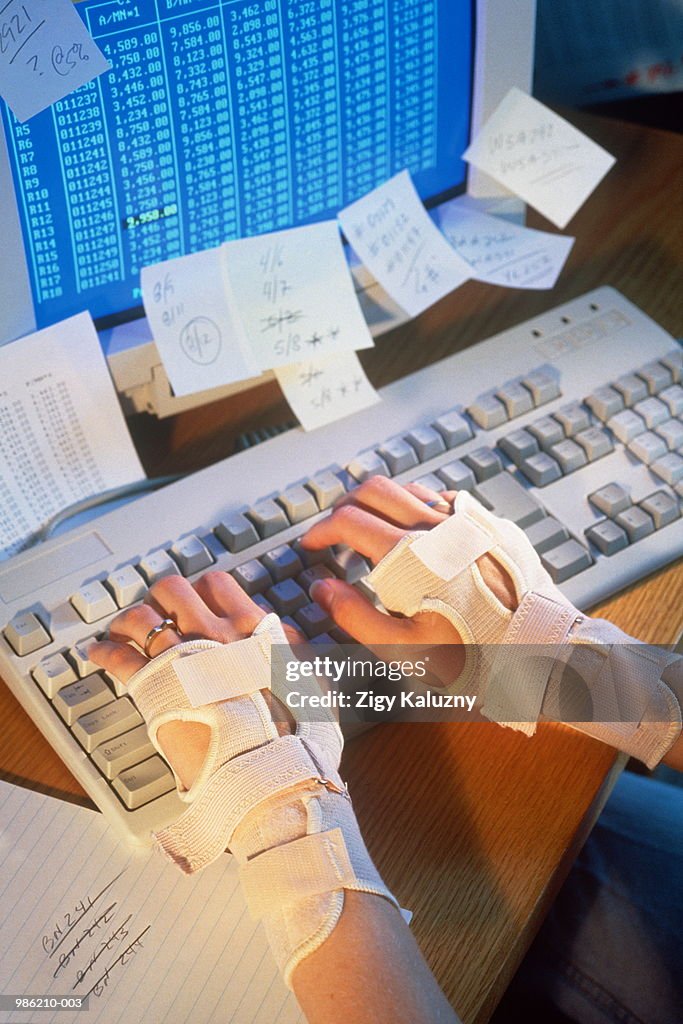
(322, 390)
(397, 241)
(539, 156)
(46, 52)
(295, 295)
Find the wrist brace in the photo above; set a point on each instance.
(277, 802)
(631, 688)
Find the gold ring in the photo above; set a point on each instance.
(155, 631)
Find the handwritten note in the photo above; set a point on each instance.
(295, 295)
(46, 52)
(539, 156)
(62, 433)
(84, 916)
(195, 324)
(394, 237)
(502, 253)
(326, 389)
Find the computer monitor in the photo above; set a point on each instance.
(225, 118)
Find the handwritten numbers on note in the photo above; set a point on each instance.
(320, 391)
(46, 52)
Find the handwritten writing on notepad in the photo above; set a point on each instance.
(295, 294)
(323, 390)
(197, 330)
(394, 237)
(539, 156)
(46, 52)
(503, 253)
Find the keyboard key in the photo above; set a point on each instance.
(287, 597)
(505, 496)
(236, 533)
(626, 425)
(671, 433)
(349, 565)
(253, 577)
(431, 481)
(453, 428)
(572, 418)
(656, 375)
(674, 363)
(518, 445)
(191, 555)
(145, 782)
(78, 656)
(565, 561)
(308, 577)
(456, 476)
(516, 399)
(595, 441)
(673, 397)
(26, 634)
(546, 534)
(542, 385)
(123, 752)
(326, 488)
(398, 455)
(669, 468)
(541, 469)
(313, 620)
(106, 722)
(92, 601)
(631, 388)
(81, 697)
(309, 558)
(52, 673)
(636, 522)
(268, 517)
(569, 455)
(663, 508)
(653, 412)
(282, 563)
(127, 585)
(547, 431)
(298, 503)
(156, 566)
(610, 499)
(605, 402)
(484, 463)
(426, 442)
(367, 464)
(647, 447)
(607, 536)
(488, 412)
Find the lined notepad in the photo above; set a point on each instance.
(81, 914)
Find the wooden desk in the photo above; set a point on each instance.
(473, 826)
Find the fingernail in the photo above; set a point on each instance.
(322, 592)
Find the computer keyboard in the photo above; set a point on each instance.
(577, 436)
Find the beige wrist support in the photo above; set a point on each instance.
(527, 663)
(277, 802)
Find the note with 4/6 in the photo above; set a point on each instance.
(295, 295)
(326, 389)
(502, 253)
(46, 52)
(539, 156)
(393, 235)
(195, 323)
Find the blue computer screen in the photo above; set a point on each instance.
(225, 118)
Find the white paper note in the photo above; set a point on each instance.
(295, 294)
(194, 322)
(46, 52)
(80, 913)
(503, 253)
(394, 237)
(323, 390)
(539, 156)
(62, 433)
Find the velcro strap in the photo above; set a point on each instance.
(204, 831)
(222, 673)
(309, 866)
(522, 663)
(452, 546)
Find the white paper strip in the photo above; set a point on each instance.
(323, 390)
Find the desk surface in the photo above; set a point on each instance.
(473, 826)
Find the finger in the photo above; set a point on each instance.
(361, 530)
(175, 598)
(357, 616)
(434, 500)
(401, 506)
(122, 660)
(226, 600)
(136, 623)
